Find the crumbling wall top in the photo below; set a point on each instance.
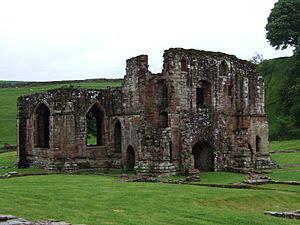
(173, 53)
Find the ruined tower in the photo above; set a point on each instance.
(204, 111)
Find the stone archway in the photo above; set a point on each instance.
(95, 125)
(118, 137)
(130, 158)
(203, 156)
(41, 126)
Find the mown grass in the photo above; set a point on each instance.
(8, 159)
(8, 102)
(98, 200)
(286, 174)
(221, 177)
(285, 145)
(94, 200)
(285, 159)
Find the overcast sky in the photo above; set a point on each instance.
(63, 40)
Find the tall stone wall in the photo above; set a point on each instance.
(204, 111)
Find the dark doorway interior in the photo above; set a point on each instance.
(130, 158)
(42, 115)
(118, 137)
(203, 156)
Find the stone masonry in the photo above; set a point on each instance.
(203, 112)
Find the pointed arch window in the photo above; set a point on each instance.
(183, 64)
(203, 94)
(118, 137)
(223, 69)
(95, 125)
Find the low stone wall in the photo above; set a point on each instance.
(291, 215)
(10, 220)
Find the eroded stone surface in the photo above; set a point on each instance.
(204, 111)
(291, 215)
(12, 220)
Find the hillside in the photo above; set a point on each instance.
(282, 86)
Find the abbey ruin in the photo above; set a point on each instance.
(203, 112)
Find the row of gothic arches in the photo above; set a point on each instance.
(94, 123)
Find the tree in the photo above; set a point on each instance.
(283, 27)
(257, 58)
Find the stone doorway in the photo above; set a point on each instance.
(41, 126)
(118, 137)
(130, 158)
(203, 156)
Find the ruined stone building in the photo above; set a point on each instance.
(204, 111)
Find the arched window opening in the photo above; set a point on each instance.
(183, 64)
(118, 137)
(258, 143)
(163, 119)
(41, 126)
(130, 158)
(223, 69)
(203, 156)
(203, 94)
(164, 94)
(94, 122)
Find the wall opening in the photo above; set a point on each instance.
(41, 126)
(223, 69)
(118, 137)
(203, 156)
(95, 128)
(170, 152)
(183, 64)
(258, 143)
(130, 158)
(203, 94)
(163, 119)
(163, 89)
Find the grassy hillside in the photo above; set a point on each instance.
(282, 86)
(8, 102)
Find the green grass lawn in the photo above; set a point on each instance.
(286, 174)
(285, 145)
(284, 159)
(95, 200)
(8, 102)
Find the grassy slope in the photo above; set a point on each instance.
(8, 101)
(275, 72)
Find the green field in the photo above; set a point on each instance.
(94, 200)
(8, 102)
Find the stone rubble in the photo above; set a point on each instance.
(291, 215)
(13, 220)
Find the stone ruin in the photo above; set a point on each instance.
(203, 112)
